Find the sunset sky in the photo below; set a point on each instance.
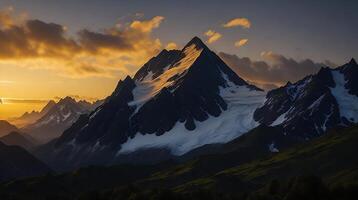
(52, 49)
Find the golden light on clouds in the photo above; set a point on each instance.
(241, 42)
(37, 44)
(243, 22)
(147, 26)
(212, 36)
(40, 60)
(171, 46)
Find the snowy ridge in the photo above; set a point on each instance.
(348, 104)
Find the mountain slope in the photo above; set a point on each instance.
(6, 128)
(309, 107)
(18, 139)
(17, 162)
(178, 100)
(58, 118)
(312, 157)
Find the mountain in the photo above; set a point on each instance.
(319, 102)
(17, 162)
(58, 118)
(6, 128)
(296, 170)
(178, 101)
(18, 139)
(31, 117)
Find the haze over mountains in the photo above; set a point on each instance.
(32, 117)
(57, 118)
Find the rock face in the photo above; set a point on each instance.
(178, 100)
(314, 104)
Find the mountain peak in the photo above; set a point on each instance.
(67, 99)
(197, 42)
(353, 62)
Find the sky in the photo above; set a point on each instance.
(52, 49)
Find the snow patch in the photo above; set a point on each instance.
(347, 103)
(148, 87)
(280, 119)
(272, 148)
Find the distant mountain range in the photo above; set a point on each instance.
(32, 117)
(57, 117)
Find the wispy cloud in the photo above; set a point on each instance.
(212, 36)
(6, 82)
(23, 101)
(243, 22)
(241, 42)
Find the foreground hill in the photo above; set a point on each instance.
(19, 139)
(6, 128)
(331, 157)
(16, 162)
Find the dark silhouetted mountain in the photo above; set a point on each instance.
(18, 139)
(17, 162)
(58, 118)
(178, 101)
(6, 128)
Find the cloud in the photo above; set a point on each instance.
(276, 71)
(171, 46)
(243, 22)
(147, 26)
(6, 20)
(241, 42)
(77, 98)
(23, 101)
(6, 82)
(212, 36)
(34, 44)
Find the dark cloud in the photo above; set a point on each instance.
(94, 41)
(49, 33)
(276, 71)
